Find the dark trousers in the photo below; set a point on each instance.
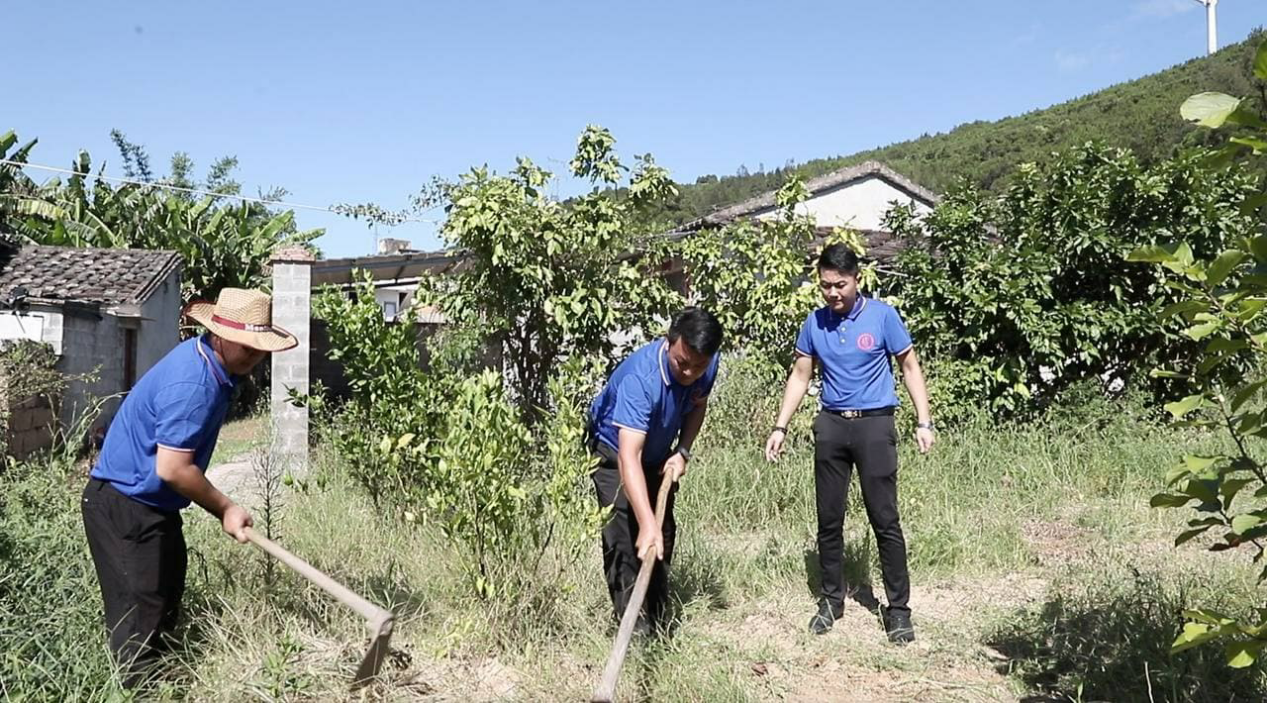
(620, 534)
(870, 443)
(140, 557)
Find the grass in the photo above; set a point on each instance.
(1039, 573)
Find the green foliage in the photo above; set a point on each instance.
(27, 369)
(1025, 293)
(1222, 298)
(449, 449)
(222, 245)
(550, 281)
(50, 607)
(1138, 115)
(755, 277)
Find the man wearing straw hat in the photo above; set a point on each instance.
(152, 464)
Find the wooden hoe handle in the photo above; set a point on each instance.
(606, 690)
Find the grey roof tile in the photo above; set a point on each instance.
(85, 274)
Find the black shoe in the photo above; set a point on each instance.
(823, 619)
(898, 625)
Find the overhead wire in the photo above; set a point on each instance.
(200, 191)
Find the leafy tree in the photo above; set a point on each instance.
(756, 277)
(1025, 293)
(1223, 307)
(222, 243)
(548, 280)
(449, 448)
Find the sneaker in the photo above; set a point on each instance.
(824, 618)
(898, 625)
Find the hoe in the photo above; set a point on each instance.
(606, 691)
(380, 621)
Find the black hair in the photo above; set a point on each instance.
(697, 327)
(838, 257)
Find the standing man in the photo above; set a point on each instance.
(152, 464)
(852, 339)
(642, 427)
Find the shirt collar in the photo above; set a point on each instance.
(859, 304)
(213, 362)
(665, 373)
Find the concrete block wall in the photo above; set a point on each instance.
(30, 427)
(160, 328)
(292, 311)
(91, 346)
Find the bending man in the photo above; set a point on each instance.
(152, 464)
(642, 427)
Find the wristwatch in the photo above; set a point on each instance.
(686, 453)
(926, 425)
(777, 428)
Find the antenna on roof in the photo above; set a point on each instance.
(1211, 26)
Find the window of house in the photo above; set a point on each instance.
(389, 311)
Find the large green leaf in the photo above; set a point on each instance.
(1244, 523)
(1223, 265)
(1260, 61)
(1181, 408)
(1169, 500)
(1243, 653)
(1209, 109)
(1152, 254)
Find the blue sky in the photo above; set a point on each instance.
(354, 102)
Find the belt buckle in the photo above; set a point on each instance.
(851, 413)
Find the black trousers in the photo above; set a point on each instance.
(139, 552)
(870, 443)
(620, 534)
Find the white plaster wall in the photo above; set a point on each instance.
(860, 204)
(39, 323)
(390, 295)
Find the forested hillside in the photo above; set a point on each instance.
(1142, 115)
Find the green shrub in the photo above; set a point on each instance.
(1028, 292)
(451, 450)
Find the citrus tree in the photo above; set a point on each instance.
(1222, 307)
(550, 280)
(1025, 293)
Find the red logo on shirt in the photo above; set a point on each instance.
(866, 342)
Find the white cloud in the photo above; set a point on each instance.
(1161, 9)
(1070, 61)
(1073, 61)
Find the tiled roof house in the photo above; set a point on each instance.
(112, 313)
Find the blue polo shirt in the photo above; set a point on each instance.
(855, 353)
(180, 403)
(643, 396)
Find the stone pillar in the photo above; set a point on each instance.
(292, 311)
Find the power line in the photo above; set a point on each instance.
(198, 191)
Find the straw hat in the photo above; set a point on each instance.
(245, 317)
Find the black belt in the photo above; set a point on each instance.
(850, 414)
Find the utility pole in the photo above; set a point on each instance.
(1211, 26)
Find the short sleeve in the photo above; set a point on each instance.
(896, 338)
(183, 413)
(633, 405)
(805, 339)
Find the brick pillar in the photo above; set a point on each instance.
(292, 293)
